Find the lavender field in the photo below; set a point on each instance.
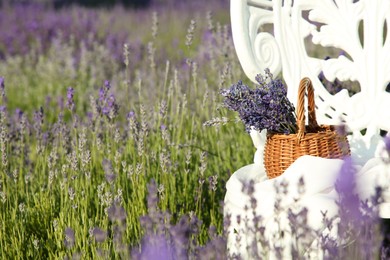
(102, 139)
(104, 149)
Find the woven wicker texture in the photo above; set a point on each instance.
(282, 150)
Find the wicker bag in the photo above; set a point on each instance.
(282, 150)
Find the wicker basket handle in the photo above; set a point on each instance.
(305, 85)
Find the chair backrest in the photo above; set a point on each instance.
(293, 37)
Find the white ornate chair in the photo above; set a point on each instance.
(285, 36)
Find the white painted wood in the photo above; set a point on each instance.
(284, 52)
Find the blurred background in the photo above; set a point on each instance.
(105, 3)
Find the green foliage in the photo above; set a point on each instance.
(54, 177)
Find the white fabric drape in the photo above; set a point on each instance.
(319, 176)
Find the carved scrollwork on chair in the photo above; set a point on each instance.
(328, 23)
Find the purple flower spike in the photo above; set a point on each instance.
(69, 97)
(107, 84)
(100, 235)
(131, 114)
(69, 237)
(387, 143)
(102, 94)
(155, 247)
(349, 201)
(105, 110)
(116, 213)
(18, 113)
(2, 87)
(107, 102)
(108, 170)
(60, 103)
(111, 107)
(111, 100)
(70, 93)
(90, 115)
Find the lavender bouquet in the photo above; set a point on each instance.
(265, 107)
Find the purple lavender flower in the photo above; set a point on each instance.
(106, 110)
(99, 235)
(45, 138)
(154, 247)
(42, 26)
(107, 103)
(387, 143)
(70, 100)
(104, 90)
(89, 115)
(111, 100)
(108, 170)
(349, 201)
(107, 84)
(102, 94)
(110, 108)
(116, 213)
(2, 87)
(60, 103)
(69, 238)
(38, 121)
(265, 107)
(18, 112)
(131, 114)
